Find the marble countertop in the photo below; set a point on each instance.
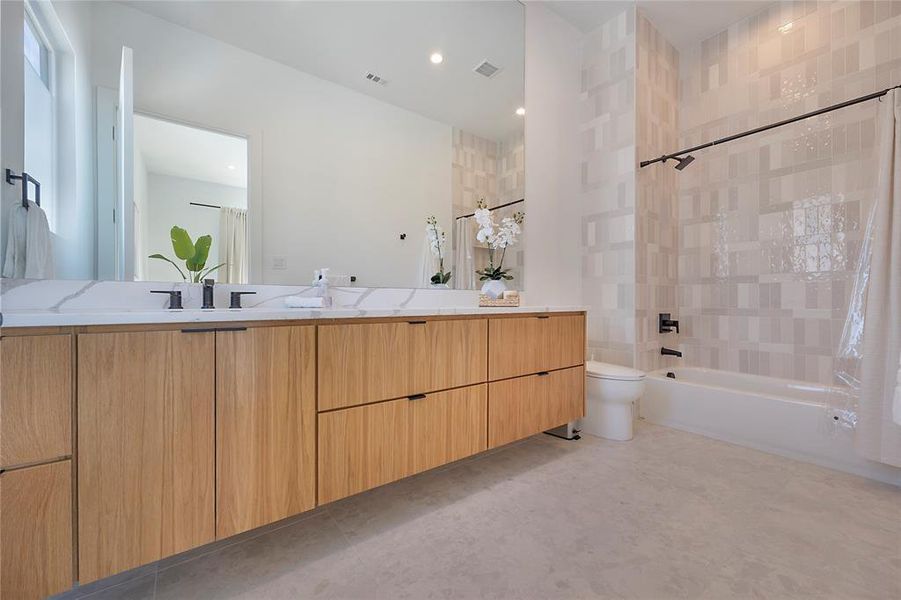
(61, 317)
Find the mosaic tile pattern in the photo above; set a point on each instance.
(607, 139)
(656, 222)
(770, 226)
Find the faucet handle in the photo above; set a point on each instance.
(174, 297)
(236, 299)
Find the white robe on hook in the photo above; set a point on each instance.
(29, 249)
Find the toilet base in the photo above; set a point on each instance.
(611, 421)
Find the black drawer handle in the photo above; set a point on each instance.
(542, 373)
(416, 397)
(416, 322)
(543, 317)
(213, 329)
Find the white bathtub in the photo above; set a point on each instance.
(774, 415)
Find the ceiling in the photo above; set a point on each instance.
(682, 22)
(181, 151)
(341, 41)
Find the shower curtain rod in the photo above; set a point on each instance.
(493, 208)
(680, 153)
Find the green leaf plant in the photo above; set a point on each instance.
(194, 255)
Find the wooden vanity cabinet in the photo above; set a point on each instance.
(523, 406)
(265, 425)
(145, 447)
(36, 531)
(35, 399)
(367, 446)
(370, 362)
(526, 345)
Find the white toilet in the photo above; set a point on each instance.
(611, 394)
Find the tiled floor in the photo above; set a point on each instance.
(668, 515)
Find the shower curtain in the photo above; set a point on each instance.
(464, 266)
(233, 245)
(869, 358)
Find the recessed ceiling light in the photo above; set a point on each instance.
(520, 111)
(231, 167)
(437, 58)
(786, 28)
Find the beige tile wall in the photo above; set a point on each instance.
(607, 139)
(656, 222)
(770, 226)
(474, 174)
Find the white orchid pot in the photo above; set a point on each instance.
(494, 288)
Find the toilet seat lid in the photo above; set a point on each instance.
(607, 371)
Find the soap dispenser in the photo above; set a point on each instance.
(321, 283)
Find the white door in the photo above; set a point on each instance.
(125, 226)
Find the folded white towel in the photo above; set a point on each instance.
(304, 302)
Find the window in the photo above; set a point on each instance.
(40, 114)
(36, 53)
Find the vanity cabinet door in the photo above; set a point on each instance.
(447, 426)
(36, 531)
(524, 406)
(35, 399)
(363, 447)
(367, 446)
(369, 362)
(145, 447)
(265, 426)
(525, 345)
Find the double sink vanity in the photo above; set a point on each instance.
(122, 444)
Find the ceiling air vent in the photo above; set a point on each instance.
(376, 78)
(487, 69)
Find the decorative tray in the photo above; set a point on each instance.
(486, 301)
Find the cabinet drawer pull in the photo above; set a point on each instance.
(416, 397)
(213, 329)
(543, 317)
(416, 322)
(542, 373)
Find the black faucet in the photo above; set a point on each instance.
(665, 323)
(668, 352)
(174, 298)
(208, 293)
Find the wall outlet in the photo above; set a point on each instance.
(279, 263)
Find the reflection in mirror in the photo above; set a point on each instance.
(296, 135)
(194, 180)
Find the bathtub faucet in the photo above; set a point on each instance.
(666, 323)
(668, 352)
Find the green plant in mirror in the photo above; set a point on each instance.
(194, 254)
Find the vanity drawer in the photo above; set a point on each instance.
(367, 446)
(524, 406)
(36, 531)
(35, 399)
(369, 362)
(526, 345)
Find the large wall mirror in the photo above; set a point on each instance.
(296, 135)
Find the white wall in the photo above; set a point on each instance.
(553, 80)
(342, 175)
(168, 204)
(12, 106)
